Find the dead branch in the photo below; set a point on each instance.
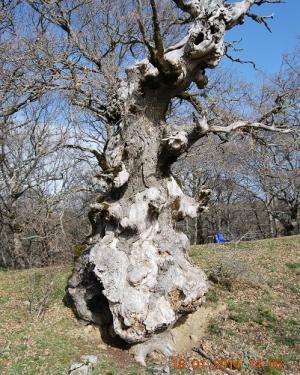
(261, 19)
(213, 361)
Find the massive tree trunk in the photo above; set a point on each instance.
(137, 272)
(136, 275)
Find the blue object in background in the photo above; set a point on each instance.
(219, 238)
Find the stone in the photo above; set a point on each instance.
(85, 367)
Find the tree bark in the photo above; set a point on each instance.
(19, 260)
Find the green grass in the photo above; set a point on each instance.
(239, 312)
(259, 282)
(214, 327)
(294, 267)
(271, 372)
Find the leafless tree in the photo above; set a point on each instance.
(269, 168)
(271, 176)
(253, 176)
(37, 180)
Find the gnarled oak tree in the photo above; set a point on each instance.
(136, 275)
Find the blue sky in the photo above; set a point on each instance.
(261, 46)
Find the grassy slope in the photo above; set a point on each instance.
(259, 281)
(32, 346)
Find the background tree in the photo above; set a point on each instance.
(247, 170)
(38, 183)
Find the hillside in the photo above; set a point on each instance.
(258, 282)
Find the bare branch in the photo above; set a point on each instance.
(62, 20)
(192, 100)
(99, 155)
(212, 360)
(143, 30)
(157, 35)
(273, 111)
(238, 10)
(261, 2)
(261, 19)
(246, 124)
(238, 60)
